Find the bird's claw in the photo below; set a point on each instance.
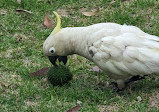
(115, 88)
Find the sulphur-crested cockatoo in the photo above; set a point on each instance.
(121, 51)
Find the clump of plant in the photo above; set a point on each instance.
(59, 75)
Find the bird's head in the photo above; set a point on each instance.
(54, 46)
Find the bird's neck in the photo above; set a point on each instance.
(78, 39)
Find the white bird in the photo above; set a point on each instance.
(121, 51)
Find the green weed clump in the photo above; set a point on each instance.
(59, 76)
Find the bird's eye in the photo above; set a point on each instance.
(52, 50)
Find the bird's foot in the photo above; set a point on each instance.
(116, 88)
(134, 78)
(120, 85)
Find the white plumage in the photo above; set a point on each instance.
(121, 51)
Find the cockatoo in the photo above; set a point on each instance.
(120, 51)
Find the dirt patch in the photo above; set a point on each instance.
(9, 83)
(8, 78)
(63, 12)
(26, 62)
(31, 103)
(9, 52)
(20, 37)
(154, 100)
(108, 108)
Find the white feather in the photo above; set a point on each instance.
(121, 51)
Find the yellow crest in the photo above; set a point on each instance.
(58, 25)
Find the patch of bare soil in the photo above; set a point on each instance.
(20, 37)
(108, 108)
(154, 100)
(9, 83)
(63, 12)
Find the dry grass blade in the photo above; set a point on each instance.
(74, 109)
(91, 13)
(47, 22)
(40, 72)
(4, 29)
(3, 11)
(22, 10)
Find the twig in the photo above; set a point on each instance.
(22, 10)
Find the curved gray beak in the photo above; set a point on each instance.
(53, 59)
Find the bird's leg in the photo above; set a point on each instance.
(119, 85)
(135, 78)
(115, 87)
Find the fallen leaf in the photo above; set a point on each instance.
(92, 13)
(96, 69)
(89, 13)
(19, 1)
(47, 22)
(74, 109)
(22, 10)
(40, 72)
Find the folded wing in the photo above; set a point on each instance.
(128, 52)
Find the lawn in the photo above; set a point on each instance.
(21, 39)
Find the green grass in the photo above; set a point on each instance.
(21, 39)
